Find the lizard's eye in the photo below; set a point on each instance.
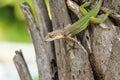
(51, 35)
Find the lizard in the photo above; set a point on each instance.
(71, 30)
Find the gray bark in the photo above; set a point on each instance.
(69, 67)
(43, 52)
(21, 66)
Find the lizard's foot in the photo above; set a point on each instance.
(72, 46)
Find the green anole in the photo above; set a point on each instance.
(71, 30)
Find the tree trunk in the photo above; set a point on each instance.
(98, 56)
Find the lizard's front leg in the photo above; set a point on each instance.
(73, 40)
(82, 7)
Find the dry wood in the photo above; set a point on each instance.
(72, 64)
(21, 66)
(59, 20)
(43, 17)
(42, 54)
(113, 69)
(102, 47)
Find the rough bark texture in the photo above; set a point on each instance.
(97, 58)
(113, 68)
(69, 68)
(101, 48)
(21, 66)
(59, 20)
(42, 52)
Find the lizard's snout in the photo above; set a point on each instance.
(51, 37)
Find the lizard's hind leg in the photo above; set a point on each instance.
(101, 19)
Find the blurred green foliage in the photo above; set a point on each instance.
(12, 22)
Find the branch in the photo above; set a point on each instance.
(43, 55)
(21, 66)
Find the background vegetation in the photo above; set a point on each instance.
(12, 22)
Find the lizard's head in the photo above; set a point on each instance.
(54, 35)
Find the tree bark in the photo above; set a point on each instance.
(21, 66)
